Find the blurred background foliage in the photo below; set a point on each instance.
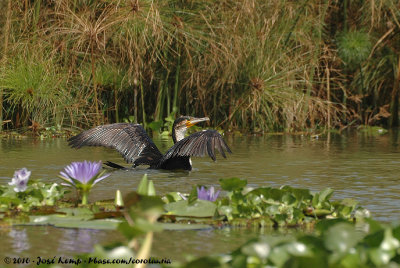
(260, 66)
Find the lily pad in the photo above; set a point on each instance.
(73, 222)
(79, 213)
(199, 208)
(182, 226)
(232, 184)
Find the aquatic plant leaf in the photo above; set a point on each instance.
(257, 249)
(193, 195)
(131, 199)
(281, 218)
(349, 202)
(36, 194)
(136, 202)
(325, 195)
(200, 208)
(352, 260)
(143, 186)
(279, 256)
(389, 242)
(348, 249)
(288, 199)
(73, 222)
(101, 253)
(296, 248)
(232, 184)
(80, 212)
(300, 194)
(153, 203)
(129, 231)
(108, 224)
(320, 212)
(146, 187)
(151, 189)
(155, 125)
(323, 226)
(227, 211)
(140, 227)
(373, 225)
(173, 197)
(374, 239)
(341, 237)
(184, 226)
(372, 130)
(396, 232)
(204, 262)
(10, 200)
(274, 194)
(362, 214)
(380, 257)
(313, 242)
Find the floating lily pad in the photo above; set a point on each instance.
(232, 184)
(182, 226)
(199, 208)
(73, 222)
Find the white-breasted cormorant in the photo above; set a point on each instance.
(132, 141)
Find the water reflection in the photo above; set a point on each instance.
(47, 241)
(78, 240)
(19, 240)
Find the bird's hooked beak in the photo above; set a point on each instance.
(193, 121)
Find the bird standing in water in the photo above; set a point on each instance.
(133, 143)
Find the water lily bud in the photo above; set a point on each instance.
(119, 202)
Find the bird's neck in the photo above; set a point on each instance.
(178, 135)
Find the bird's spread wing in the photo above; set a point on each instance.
(198, 144)
(131, 140)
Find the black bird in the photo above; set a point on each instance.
(133, 143)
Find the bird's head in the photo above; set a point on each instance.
(181, 125)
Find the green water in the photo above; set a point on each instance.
(357, 166)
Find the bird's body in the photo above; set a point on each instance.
(136, 147)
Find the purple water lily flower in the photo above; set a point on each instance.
(20, 180)
(83, 172)
(209, 195)
(82, 176)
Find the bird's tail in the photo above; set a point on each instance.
(113, 165)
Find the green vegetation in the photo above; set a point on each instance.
(339, 234)
(242, 206)
(254, 65)
(261, 207)
(335, 244)
(37, 194)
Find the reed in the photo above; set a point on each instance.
(255, 65)
(35, 87)
(3, 61)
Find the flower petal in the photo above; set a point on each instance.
(101, 178)
(20, 180)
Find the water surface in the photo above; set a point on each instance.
(357, 166)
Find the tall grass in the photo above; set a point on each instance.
(35, 88)
(3, 60)
(275, 65)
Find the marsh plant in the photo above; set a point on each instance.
(83, 176)
(23, 193)
(255, 65)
